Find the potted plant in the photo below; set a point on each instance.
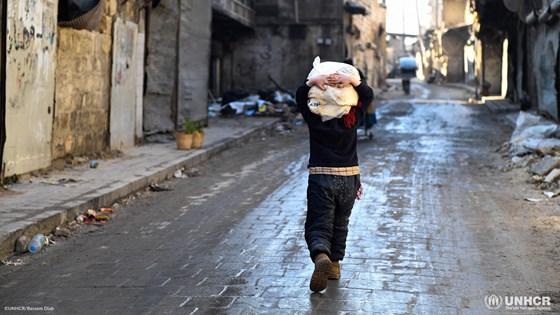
(185, 138)
(198, 137)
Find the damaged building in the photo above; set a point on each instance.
(277, 50)
(89, 77)
(449, 47)
(519, 51)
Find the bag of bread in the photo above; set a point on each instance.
(333, 102)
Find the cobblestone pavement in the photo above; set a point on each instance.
(439, 228)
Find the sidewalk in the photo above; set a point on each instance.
(45, 202)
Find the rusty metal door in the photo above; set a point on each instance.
(29, 99)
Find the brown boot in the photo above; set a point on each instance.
(320, 276)
(335, 271)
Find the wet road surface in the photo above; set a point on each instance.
(438, 229)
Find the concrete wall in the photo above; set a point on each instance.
(544, 63)
(367, 42)
(81, 120)
(537, 62)
(71, 88)
(164, 110)
(290, 34)
(283, 44)
(30, 67)
(160, 67)
(81, 123)
(194, 60)
(530, 76)
(271, 52)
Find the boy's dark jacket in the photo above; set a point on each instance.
(333, 142)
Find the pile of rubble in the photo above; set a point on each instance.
(264, 103)
(535, 145)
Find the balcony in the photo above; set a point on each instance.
(238, 10)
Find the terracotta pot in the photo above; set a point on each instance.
(198, 138)
(184, 141)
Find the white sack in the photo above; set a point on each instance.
(334, 102)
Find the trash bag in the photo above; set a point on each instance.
(229, 97)
(334, 102)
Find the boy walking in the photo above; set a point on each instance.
(334, 180)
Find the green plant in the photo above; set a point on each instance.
(198, 127)
(189, 127)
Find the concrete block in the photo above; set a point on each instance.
(553, 176)
(545, 165)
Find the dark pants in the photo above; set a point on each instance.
(330, 200)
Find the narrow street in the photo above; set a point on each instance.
(440, 227)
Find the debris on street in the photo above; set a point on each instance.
(533, 199)
(157, 188)
(264, 103)
(62, 232)
(21, 244)
(534, 134)
(106, 210)
(552, 176)
(16, 262)
(282, 128)
(182, 173)
(91, 217)
(193, 172)
(535, 146)
(545, 165)
(37, 243)
(551, 194)
(59, 181)
(179, 174)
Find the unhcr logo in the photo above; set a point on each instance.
(518, 303)
(493, 302)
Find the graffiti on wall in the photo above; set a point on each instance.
(29, 49)
(30, 67)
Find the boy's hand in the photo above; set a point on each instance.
(342, 80)
(335, 80)
(320, 81)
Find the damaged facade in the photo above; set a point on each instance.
(445, 49)
(525, 41)
(80, 85)
(449, 53)
(64, 79)
(177, 64)
(277, 51)
(83, 77)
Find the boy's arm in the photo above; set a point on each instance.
(365, 93)
(301, 98)
(303, 91)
